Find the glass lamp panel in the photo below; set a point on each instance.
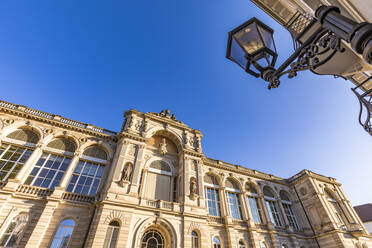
(249, 38)
(238, 54)
(264, 59)
(267, 37)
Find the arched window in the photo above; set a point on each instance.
(216, 242)
(271, 206)
(212, 200)
(232, 196)
(241, 244)
(287, 206)
(63, 234)
(14, 232)
(194, 240)
(152, 239)
(14, 152)
(158, 181)
(88, 173)
(337, 210)
(254, 203)
(51, 166)
(112, 234)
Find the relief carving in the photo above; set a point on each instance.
(163, 147)
(8, 121)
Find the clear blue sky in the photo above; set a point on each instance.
(92, 60)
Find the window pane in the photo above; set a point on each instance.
(63, 234)
(233, 205)
(212, 201)
(12, 159)
(51, 171)
(254, 206)
(85, 179)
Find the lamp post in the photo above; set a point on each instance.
(252, 47)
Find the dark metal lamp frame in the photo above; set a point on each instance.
(319, 42)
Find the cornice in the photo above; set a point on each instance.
(55, 120)
(132, 136)
(243, 171)
(307, 173)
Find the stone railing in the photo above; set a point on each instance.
(68, 196)
(216, 219)
(162, 204)
(239, 222)
(34, 191)
(58, 118)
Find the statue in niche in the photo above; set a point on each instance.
(163, 146)
(193, 189)
(127, 172)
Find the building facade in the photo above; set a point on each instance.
(365, 214)
(69, 184)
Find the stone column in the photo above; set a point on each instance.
(326, 206)
(249, 219)
(23, 172)
(117, 164)
(136, 170)
(70, 169)
(267, 218)
(143, 185)
(42, 225)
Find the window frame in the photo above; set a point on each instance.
(291, 217)
(16, 162)
(216, 244)
(195, 239)
(216, 201)
(80, 174)
(65, 228)
(42, 167)
(113, 228)
(256, 212)
(232, 207)
(11, 233)
(273, 210)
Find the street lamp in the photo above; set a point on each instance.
(252, 47)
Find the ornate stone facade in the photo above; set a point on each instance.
(68, 184)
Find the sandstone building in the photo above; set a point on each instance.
(64, 183)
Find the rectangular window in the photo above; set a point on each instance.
(290, 215)
(48, 171)
(339, 213)
(175, 198)
(12, 159)
(234, 205)
(273, 212)
(212, 201)
(86, 178)
(255, 209)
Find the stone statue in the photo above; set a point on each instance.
(127, 172)
(193, 189)
(163, 146)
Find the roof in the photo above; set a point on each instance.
(364, 211)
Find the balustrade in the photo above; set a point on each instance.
(68, 196)
(34, 191)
